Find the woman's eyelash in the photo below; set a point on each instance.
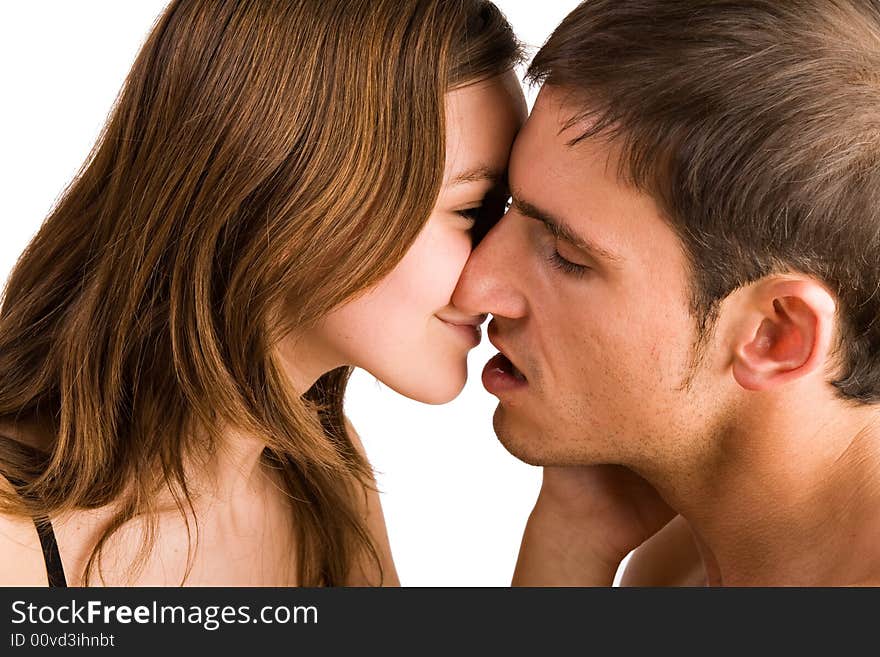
(471, 214)
(565, 266)
(475, 214)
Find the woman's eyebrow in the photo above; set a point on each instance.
(478, 174)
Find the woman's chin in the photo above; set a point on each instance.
(436, 399)
(439, 390)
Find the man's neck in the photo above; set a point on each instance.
(793, 502)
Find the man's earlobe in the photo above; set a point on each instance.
(786, 334)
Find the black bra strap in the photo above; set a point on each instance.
(54, 567)
(51, 556)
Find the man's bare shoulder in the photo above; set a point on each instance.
(21, 558)
(669, 558)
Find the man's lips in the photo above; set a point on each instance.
(501, 376)
(503, 364)
(492, 334)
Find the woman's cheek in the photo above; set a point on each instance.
(448, 261)
(434, 264)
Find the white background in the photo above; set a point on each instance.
(455, 501)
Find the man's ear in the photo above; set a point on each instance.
(785, 331)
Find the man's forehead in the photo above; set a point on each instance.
(544, 150)
(579, 185)
(562, 111)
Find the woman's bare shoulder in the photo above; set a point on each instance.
(21, 558)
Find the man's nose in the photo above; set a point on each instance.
(491, 279)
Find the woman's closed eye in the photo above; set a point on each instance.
(471, 214)
(487, 213)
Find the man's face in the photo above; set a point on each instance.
(601, 329)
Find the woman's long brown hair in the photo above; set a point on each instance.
(264, 162)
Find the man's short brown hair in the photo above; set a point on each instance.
(755, 124)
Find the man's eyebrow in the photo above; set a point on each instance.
(478, 174)
(561, 230)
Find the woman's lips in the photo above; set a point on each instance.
(471, 333)
(500, 376)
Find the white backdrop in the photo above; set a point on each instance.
(455, 501)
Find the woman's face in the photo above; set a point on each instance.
(405, 330)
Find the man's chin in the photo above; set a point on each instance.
(522, 441)
(539, 445)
